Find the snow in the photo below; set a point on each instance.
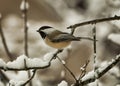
(93, 74)
(23, 61)
(106, 64)
(101, 68)
(82, 68)
(2, 63)
(17, 76)
(63, 83)
(103, 63)
(89, 75)
(48, 56)
(114, 38)
(96, 83)
(36, 62)
(16, 83)
(118, 85)
(18, 63)
(116, 71)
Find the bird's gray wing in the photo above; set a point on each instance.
(64, 37)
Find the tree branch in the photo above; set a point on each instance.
(94, 21)
(68, 69)
(100, 72)
(24, 63)
(88, 78)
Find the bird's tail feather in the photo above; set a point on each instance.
(86, 38)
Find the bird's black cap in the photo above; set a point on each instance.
(43, 27)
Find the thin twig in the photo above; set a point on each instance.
(94, 39)
(4, 41)
(6, 79)
(67, 69)
(3, 77)
(24, 11)
(94, 50)
(94, 47)
(83, 69)
(34, 71)
(94, 21)
(72, 31)
(55, 56)
(83, 72)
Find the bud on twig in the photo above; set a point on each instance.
(24, 6)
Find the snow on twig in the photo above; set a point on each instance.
(88, 78)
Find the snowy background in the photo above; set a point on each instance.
(61, 14)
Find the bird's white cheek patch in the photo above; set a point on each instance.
(48, 31)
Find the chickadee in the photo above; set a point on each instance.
(56, 38)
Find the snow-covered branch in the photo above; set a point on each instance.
(38, 63)
(91, 76)
(24, 63)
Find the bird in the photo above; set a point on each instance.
(55, 38)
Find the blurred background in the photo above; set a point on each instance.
(61, 14)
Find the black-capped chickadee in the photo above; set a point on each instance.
(56, 38)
